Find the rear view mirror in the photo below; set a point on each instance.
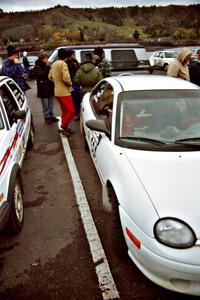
(19, 114)
(98, 125)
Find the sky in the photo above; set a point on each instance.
(22, 5)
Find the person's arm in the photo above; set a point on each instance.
(77, 77)
(65, 74)
(9, 69)
(50, 76)
(173, 70)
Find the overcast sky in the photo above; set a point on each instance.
(21, 5)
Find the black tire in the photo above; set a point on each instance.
(117, 240)
(31, 137)
(16, 217)
(165, 68)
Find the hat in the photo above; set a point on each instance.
(62, 53)
(70, 52)
(43, 55)
(11, 50)
(98, 51)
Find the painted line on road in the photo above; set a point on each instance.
(105, 278)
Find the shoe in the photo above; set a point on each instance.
(68, 129)
(48, 121)
(54, 119)
(77, 118)
(64, 132)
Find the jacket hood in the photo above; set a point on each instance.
(86, 67)
(183, 54)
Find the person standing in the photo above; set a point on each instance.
(179, 66)
(59, 74)
(194, 70)
(45, 87)
(88, 75)
(26, 62)
(11, 67)
(103, 64)
(73, 67)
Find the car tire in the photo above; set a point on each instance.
(165, 68)
(31, 137)
(16, 216)
(117, 240)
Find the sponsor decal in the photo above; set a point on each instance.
(8, 151)
(1, 197)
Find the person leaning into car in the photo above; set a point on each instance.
(59, 74)
(103, 64)
(179, 66)
(12, 68)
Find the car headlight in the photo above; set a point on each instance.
(174, 233)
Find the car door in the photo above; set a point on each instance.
(17, 128)
(98, 107)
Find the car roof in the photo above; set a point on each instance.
(152, 82)
(105, 46)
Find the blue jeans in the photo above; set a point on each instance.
(47, 107)
(76, 97)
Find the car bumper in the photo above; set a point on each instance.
(183, 277)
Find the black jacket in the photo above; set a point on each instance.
(45, 87)
(194, 69)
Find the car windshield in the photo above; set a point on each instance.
(159, 117)
(170, 54)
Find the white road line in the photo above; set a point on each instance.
(105, 278)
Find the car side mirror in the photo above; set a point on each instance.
(98, 125)
(19, 114)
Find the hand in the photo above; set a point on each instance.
(25, 76)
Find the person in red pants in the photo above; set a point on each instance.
(59, 74)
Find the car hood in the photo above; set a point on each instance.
(172, 182)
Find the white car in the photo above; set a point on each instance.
(161, 59)
(143, 134)
(16, 135)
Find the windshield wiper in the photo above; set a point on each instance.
(189, 141)
(144, 139)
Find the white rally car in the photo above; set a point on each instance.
(16, 135)
(143, 134)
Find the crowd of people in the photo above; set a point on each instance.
(68, 81)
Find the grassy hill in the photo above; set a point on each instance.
(63, 25)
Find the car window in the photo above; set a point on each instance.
(19, 95)
(170, 54)
(159, 115)
(8, 102)
(123, 59)
(83, 54)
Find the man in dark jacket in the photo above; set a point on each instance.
(103, 64)
(12, 68)
(194, 70)
(73, 67)
(88, 75)
(45, 87)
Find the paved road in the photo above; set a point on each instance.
(51, 259)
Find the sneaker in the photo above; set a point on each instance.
(48, 121)
(64, 132)
(54, 119)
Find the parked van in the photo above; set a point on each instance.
(123, 57)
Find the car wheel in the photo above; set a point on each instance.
(117, 240)
(16, 217)
(165, 68)
(31, 137)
